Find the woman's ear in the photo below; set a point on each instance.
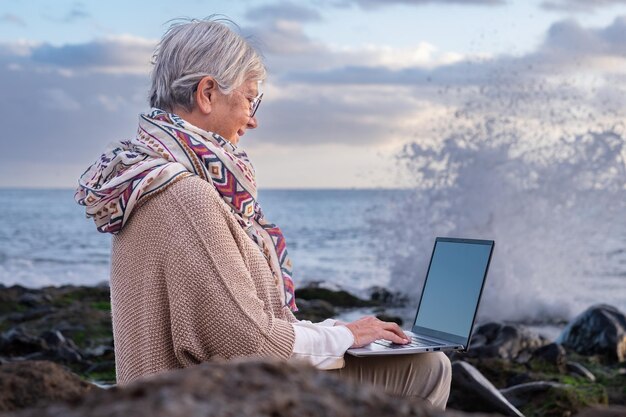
(205, 94)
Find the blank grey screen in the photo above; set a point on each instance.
(453, 287)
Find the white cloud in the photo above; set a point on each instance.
(288, 49)
(283, 10)
(371, 4)
(568, 48)
(579, 5)
(116, 54)
(319, 99)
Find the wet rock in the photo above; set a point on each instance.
(101, 352)
(55, 338)
(26, 384)
(552, 354)
(240, 388)
(603, 412)
(32, 314)
(548, 398)
(338, 298)
(575, 368)
(389, 318)
(471, 391)
(522, 394)
(505, 341)
(15, 342)
(33, 299)
(600, 330)
(101, 367)
(382, 296)
(314, 310)
(64, 354)
(51, 345)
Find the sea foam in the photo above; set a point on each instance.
(544, 176)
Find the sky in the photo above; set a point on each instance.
(351, 82)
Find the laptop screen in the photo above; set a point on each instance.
(453, 286)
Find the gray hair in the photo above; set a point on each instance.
(193, 49)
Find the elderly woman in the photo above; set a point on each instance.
(197, 271)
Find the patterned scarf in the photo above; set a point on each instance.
(167, 149)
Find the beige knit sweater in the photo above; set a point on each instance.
(188, 285)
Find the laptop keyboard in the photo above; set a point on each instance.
(415, 342)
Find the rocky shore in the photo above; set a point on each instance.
(56, 355)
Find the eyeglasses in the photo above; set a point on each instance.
(254, 102)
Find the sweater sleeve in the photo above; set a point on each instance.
(321, 345)
(215, 310)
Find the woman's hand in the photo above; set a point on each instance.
(368, 329)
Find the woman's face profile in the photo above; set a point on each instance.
(230, 114)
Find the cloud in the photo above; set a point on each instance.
(458, 74)
(579, 5)
(288, 48)
(371, 4)
(567, 47)
(121, 54)
(68, 119)
(76, 98)
(569, 39)
(12, 19)
(283, 11)
(281, 37)
(312, 115)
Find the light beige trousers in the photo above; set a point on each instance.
(424, 375)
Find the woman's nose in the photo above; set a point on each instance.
(252, 123)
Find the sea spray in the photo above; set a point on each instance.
(526, 169)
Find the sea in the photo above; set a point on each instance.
(357, 239)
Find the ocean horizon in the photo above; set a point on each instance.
(353, 239)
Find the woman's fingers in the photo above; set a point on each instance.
(395, 338)
(394, 328)
(368, 329)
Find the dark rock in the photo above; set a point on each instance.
(65, 354)
(33, 299)
(517, 379)
(600, 330)
(32, 314)
(500, 372)
(552, 354)
(101, 352)
(15, 342)
(382, 296)
(314, 310)
(53, 346)
(387, 317)
(339, 298)
(53, 338)
(505, 341)
(471, 391)
(101, 367)
(27, 384)
(520, 395)
(603, 412)
(547, 398)
(240, 388)
(577, 369)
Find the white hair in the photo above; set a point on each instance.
(193, 49)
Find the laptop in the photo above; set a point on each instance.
(449, 300)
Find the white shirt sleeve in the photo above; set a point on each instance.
(326, 323)
(321, 344)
